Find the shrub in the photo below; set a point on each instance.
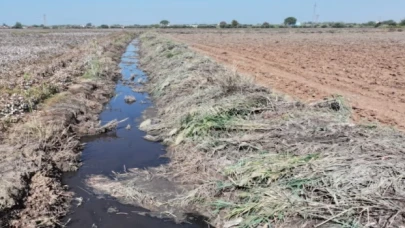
(222, 24)
(266, 25)
(324, 26)
(338, 25)
(206, 26)
(370, 23)
(389, 22)
(235, 23)
(402, 23)
(18, 25)
(116, 26)
(104, 26)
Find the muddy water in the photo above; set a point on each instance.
(117, 151)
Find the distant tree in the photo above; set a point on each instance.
(18, 25)
(164, 22)
(338, 25)
(290, 21)
(206, 26)
(223, 24)
(265, 25)
(402, 23)
(235, 23)
(371, 23)
(5, 25)
(389, 22)
(116, 26)
(89, 25)
(104, 26)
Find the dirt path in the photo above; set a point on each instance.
(367, 69)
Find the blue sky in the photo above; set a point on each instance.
(195, 11)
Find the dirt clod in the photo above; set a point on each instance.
(130, 99)
(152, 138)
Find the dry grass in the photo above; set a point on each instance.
(245, 152)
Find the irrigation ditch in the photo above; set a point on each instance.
(118, 152)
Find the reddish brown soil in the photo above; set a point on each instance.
(368, 69)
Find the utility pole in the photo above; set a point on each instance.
(315, 16)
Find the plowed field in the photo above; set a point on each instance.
(368, 69)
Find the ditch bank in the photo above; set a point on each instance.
(45, 143)
(108, 156)
(244, 156)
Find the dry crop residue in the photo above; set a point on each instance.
(366, 68)
(46, 104)
(29, 59)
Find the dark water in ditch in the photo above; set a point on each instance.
(116, 151)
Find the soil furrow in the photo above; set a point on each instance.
(311, 67)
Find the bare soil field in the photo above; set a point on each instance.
(365, 67)
(28, 45)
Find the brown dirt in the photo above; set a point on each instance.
(366, 68)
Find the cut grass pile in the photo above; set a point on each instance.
(248, 157)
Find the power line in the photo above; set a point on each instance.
(314, 16)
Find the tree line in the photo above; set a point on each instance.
(288, 22)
